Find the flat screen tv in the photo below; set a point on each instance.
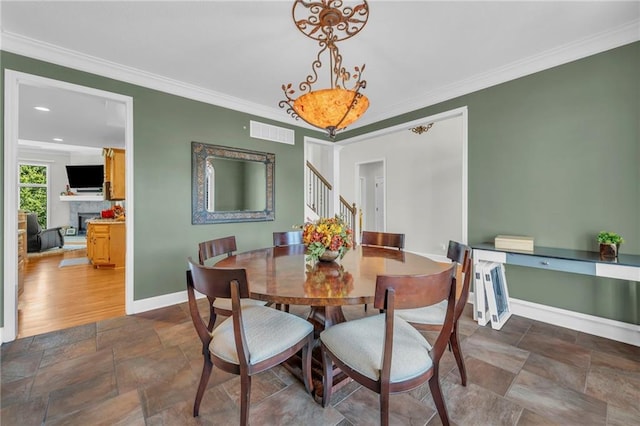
(86, 178)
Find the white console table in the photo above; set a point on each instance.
(625, 267)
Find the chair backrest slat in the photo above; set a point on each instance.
(215, 282)
(382, 239)
(287, 238)
(415, 291)
(216, 247)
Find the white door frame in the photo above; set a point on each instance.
(358, 188)
(12, 82)
(464, 114)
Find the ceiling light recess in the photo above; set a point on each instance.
(42, 108)
(337, 106)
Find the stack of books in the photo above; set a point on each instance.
(514, 242)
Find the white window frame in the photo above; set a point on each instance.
(46, 186)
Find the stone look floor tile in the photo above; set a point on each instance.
(557, 349)
(601, 344)
(495, 353)
(262, 386)
(615, 387)
(474, 405)
(560, 404)
(63, 337)
(156, 367)
(550, 330)
(564, 374)
(485, 375)
(529, 418)
(216, 409)
(29, 413)
(619, 417)
(176, 334)
(70, 372)
(66, 352)
(16, 367)
(505, 336)
(180, 386)
(123, 409)
(16, 391)
(18, 346)
(290, 406)
(146, 367)
(363, 408)
(167, 317)
(70, 399)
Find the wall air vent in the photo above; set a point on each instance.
(272, 133)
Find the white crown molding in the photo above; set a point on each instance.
(552, 58)
(601, 42)
(48, 52)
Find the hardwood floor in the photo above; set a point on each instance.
(55, 298)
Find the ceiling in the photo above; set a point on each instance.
(238, 54)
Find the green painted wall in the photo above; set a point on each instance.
(556, 155)
(164, 127)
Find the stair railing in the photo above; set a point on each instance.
(319, 192)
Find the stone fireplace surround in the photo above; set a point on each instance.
(76, 207)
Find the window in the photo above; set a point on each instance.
(33, 190)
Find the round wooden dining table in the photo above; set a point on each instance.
(281, 275)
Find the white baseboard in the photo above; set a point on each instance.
(157, 302)
(591, 324)
(1, 340)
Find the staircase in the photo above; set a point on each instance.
(318, 199)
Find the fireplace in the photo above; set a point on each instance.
(82, 217)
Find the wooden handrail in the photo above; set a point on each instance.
(319, 175)
(351, 208)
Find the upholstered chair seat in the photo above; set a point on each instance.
(410, 357)
(259, 323)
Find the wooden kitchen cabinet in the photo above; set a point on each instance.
(114, 173)
(106, 243)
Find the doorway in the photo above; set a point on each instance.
(372, 195)
(17, 85)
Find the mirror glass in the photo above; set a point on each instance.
(231, 184)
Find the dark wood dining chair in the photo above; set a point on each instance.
(252, 340)
(287, 238)
(214, 248)
(382, 239)
(432, 318)
(383, 352)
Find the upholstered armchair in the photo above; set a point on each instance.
(39, 239)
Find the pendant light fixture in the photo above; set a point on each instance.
(341, 103)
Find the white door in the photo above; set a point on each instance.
(379, 203)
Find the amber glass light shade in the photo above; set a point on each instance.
(325, 108)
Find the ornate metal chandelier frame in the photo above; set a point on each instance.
(328, 22)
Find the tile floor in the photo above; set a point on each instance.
(144, 369)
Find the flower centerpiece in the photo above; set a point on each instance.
(327, 238)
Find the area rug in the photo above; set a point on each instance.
(57, 251)
(73, 262)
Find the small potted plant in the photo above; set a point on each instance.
(609, 244)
